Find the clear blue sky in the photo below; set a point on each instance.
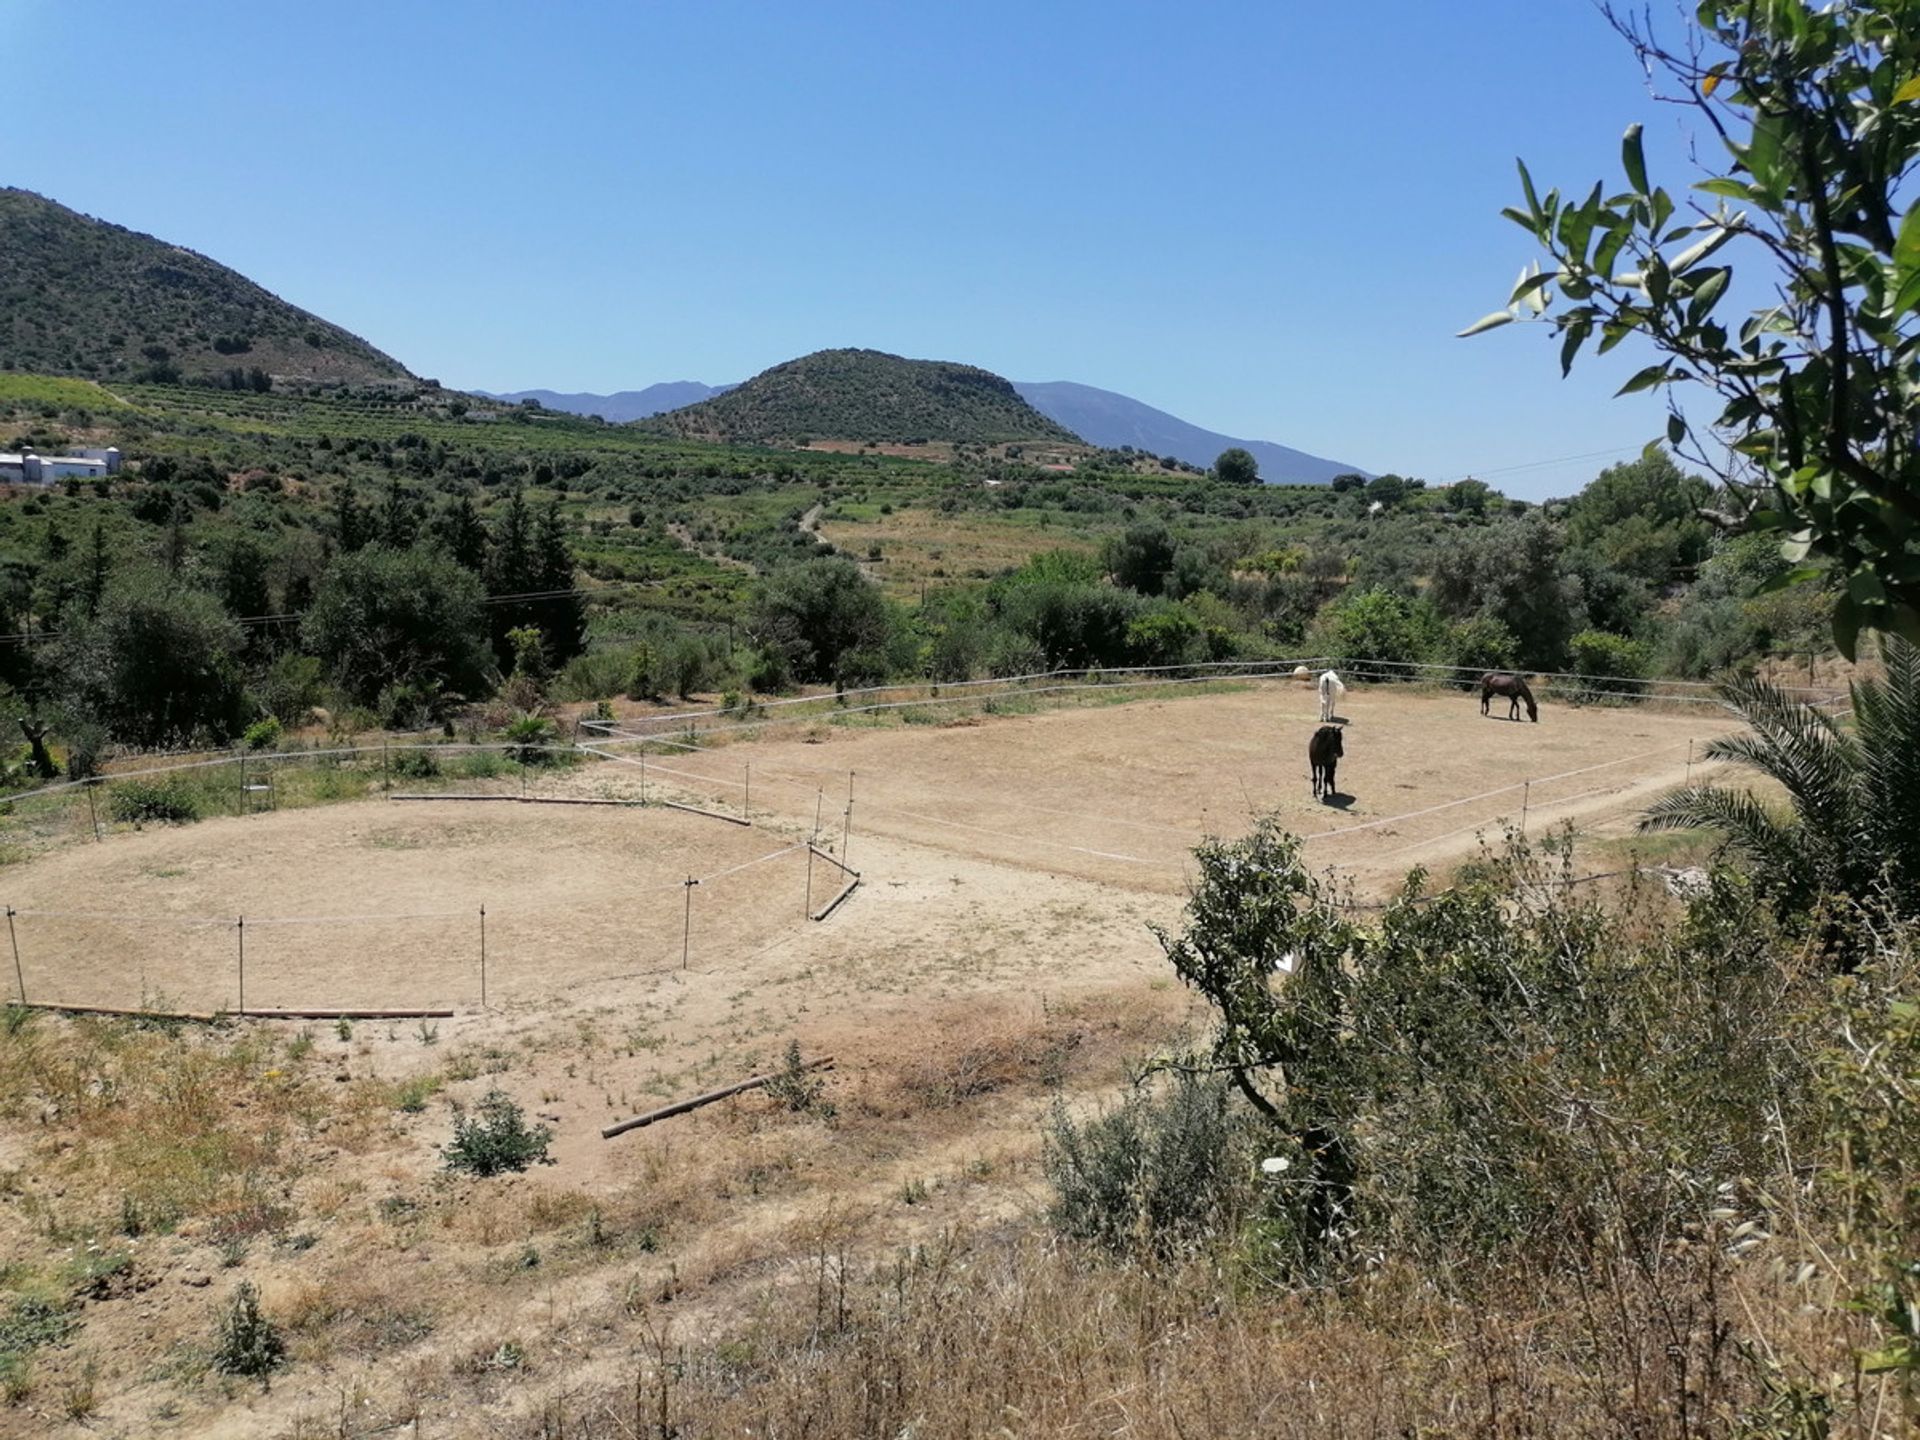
(1268, 218)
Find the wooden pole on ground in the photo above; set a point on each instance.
(19, 979)
(681, 1107)
(240, 933)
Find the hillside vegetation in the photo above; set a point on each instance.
(79, 296)
(865, 395)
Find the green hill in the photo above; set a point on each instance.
(865, 395)
(79, 296)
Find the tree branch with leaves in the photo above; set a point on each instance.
(1818, 112)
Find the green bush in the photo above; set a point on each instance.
(1157, 1173)
(1479, 645)
(496, 1138)
(530, 735)
(136, 802)
(1610, 665)
(415, 762)
(246, 1342)
(262, 734)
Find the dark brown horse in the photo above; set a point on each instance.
(1323, 755)
(1516, 691)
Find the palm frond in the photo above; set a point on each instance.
(1801, 749)
(1774, 848)
(1887, 723)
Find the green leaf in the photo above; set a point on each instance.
(1531, 286)
(1633, 155)
(1488, 322)
(1576, 336)
(1908, 91)
(1695, 253)
(1648, 378)
(1708, 291)
(1676, 428)
(1526, 185)
(1906, 263)
(1732, 189)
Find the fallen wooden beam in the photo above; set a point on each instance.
(345, 1014)
(199, 1016)
(681, 1107)
(834, 904)
(711, 814)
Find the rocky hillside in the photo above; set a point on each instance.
(80, 296)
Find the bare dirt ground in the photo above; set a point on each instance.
(996, 955)
(1121, 794)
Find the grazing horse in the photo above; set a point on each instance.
(1330, 692)
(1323, 755)
(1516, 691)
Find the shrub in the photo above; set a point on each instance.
(415, 762)
(246, 1342)
(496, 1138)
(262, 734)
(165, 802)
(529, 736)
(798, 1088)
(1479, 645)
(1159, 1172)
(1610, 664)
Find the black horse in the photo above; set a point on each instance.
(1516, 691)
(1323, 755)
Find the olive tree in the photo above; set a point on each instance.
(1816, 108)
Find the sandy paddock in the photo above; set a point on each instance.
(378, 905)
(1121, 793)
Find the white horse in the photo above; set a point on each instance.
(1330, 692)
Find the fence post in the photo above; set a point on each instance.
(241, 808)
(746, 800)
(1689, 761)
(386, 766)
(846, 825)
(808, 912)
(93, 809)
(18, 978)
(1526, 794)
(686, 924)
(643, 772)
(483, 957)
(240, 933)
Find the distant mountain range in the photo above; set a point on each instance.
(1100, 417)
(1107, 419)
(80, 296)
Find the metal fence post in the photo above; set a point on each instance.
(240, 934)
(93, 810)
(483, 957)
(686, 924)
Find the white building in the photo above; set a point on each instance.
(27, 468)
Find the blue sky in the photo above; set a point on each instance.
(1268, 218)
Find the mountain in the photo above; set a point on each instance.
(622, 405)
(80, 296)
(1103, 418)
(865, 395)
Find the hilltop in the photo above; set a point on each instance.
(80, 296)
(865, 395)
